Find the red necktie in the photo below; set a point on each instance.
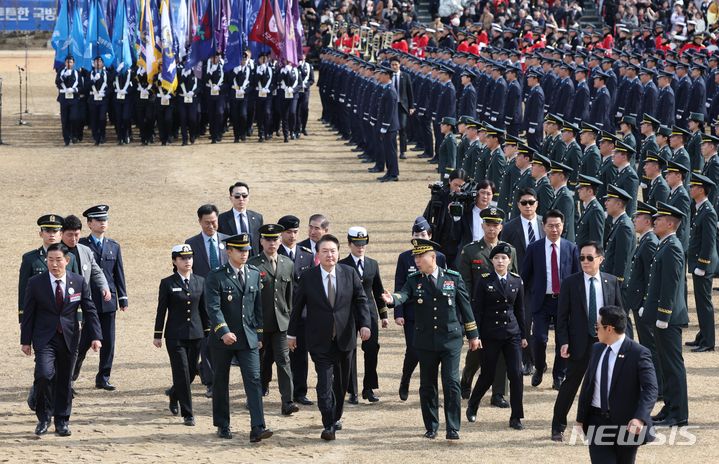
(59, 301)
(555, 270)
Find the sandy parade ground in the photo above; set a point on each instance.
(153, 193)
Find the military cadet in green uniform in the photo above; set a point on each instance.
(447, 153)
(647, 128)
(545, 193)
(636, 282)
(34, 262)
(276, 276)
(711, 164)
(234, 308)
(665, 307)
(563, 197)
(663, 135)
(474, 261)
(626, 128)
(696, 129)
(607, 170)
(657, 189)
(498, 305)
(552, 146)
(523, 162)
(497, 162)
(621, 239)
(463, 141)
(590, 226)
(474, 146)
(702, 259)
(441, 302)
(679, 153)
(679, 197)
(572, 152)
(591, 158)
(627, 178)
(480, 167)
(512, 174)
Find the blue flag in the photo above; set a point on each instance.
(234, 50)
(61, 35)
(77, 39)
(121, 37)
(98, 39)
(202, 46)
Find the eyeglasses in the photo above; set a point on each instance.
(237, 196)
(589, 258)
(527, 202)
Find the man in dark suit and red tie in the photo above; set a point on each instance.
(618, 393)
(546, 264)
(50, 327)
(336, 310)
(239, 219)
(581, 296)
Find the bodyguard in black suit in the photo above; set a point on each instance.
(182, 299)
(50, 325)
(405, 100)
(239, 219)
(581, 297)
(619, 391)
(336, 310)
(368, 271)
(109, 257)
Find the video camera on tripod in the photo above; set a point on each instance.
(441, 196)
(463, 198)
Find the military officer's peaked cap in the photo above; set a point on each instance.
(97, 212)
(239, 242)
(181, 250)
(421, 246)
(271, 231)
(50, 221)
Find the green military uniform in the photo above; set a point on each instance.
(548, 145)
(694, 149)
(656, 189)
(440, 304)
(649, 145)
(681, 155)
(679, 199)
(234, 305)
(621, 239)
(545, 192)
(564, 202)
(511, 178)
(462, 151)
(496, 167)
(630, 141)
(480, 167)
(472, 157)
(665, 303)
(607, 171)
(711, 167)
(447, 153)
(702, 258)
(590, 226)
(276, 295)
(591, 161)
(627, 179)
(573, 159)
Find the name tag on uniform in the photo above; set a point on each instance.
(165, 101)
(75, 298)
(239, 93)
(214, 91)
(120, 96)
(263, 93)
(288, 93)
(69, 94)
(98, 97)
(176, 289)
(188, 99)
(144, 94)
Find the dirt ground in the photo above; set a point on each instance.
(153, 194)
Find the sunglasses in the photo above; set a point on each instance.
(527, 202)
(237, 196)
(586, 258)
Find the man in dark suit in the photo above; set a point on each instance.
(336, 310)
(368, 271)
(580, 298)
(109, 257)
(546, 264)
(618, 393)
(210, 253)
(303, 260)
(405, 102)
(239, 219)
(50, 327)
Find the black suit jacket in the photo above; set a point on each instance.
(572, 320)
(41, 316)
(349, 313)
(633, 390)
(227, 226)
(184, 307)
(513, 233)
(372, 284)
(406, 99)
(200, 262)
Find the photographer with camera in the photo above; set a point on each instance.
(466, 211)
(438, 215)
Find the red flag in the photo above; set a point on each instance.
(264, 30)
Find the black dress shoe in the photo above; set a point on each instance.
(671, 422)
(516, 424)
(259, 433)
(431, 434)
(174, 409)
(208, 392)
(557, 435)
(373, 169)
(353, 399)
(702, 349)
(557, 383)
(224, 432)
(452, 435)
(42, 427)
(661, 415)
(527, 369)
(403, 391)
(691, 343)
(369, 395)
(357, 150)
(289, 408)
(31, 399)
(390, 179)
(466, 393)
(265, 391)
(338, 425)
(381, 178)
(499, 402)
(328, 434)
(402, 156)
(471, 415)
(537, 377)
(105, 386)
(433, 161)
(62, 429)
(189, 421)
(303, 400)
(367, 160)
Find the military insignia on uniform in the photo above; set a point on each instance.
(412, 269)
(477, 261)
(419, 286)
(229, 297)
(52, 218)
(263, 274)
(70, 290)
(420, 301)
(620, 356)
(490, 288)
(485, 274)
(448, 285)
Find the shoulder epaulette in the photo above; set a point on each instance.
(451, 272)
(305, 249)
(253, 267)
(514, 274)
(485, 274)
(414, 273)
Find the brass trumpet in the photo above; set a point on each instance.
(387, 40)
(376, 39)
(333, 33)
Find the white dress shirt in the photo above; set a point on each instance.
(613, 352)
(477, 231)
(290, 250)
(535, 229)
(597, 291)
(548, 261)
(357, 260)
(63, 283)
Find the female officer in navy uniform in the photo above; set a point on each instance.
(498, 306)
(99, 91)
(182, 298)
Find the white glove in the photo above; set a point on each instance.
(679, 116)
(641, 311)
(216, 88)
(383, 131)
(190, 93)
(662, 325)
(643, 185)
(619, 115)
(699, 272)
(532, 130)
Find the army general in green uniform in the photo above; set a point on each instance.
(439, 296)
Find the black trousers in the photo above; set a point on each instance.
(238, 117)
(53, 378)
(123, 114)
(410, 361)
(669, 355)
(263, 115)
(275, 351)
(188, 121)
(541, 320)
(216, 115)
(164, 120)
(645, 332)
(389, 149)
(370, 348)
(426, 131)
(333, 373)
(705, 310)
(107, 352)
(98, 118)
(472, 361)
(403, 116)
(429, 368)
(511, 350)
(289, 115)
(576, 367)
(145, 119)
(183, 362)
(249, 360)
(303, 110)
(68, 118)
(299, 364)
(600, 452)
